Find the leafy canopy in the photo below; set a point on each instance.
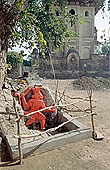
(28, 61)
(40, 22)
(13, 58)
(104, 48)
(43, 23)
(36, 22)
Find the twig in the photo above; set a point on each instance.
(65, 105)
(77, 117)
(62, 94)
(52, 65)
(61, 100)
(56, 92)
(53, 129)
(73, 105)
(74, 97)
(18, 133)
(89, 91)
(80, 110)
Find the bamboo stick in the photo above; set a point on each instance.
(72, 97)
(53, 129)
(91, 109)
(77, 117)
(64, 105)
(56, 92)
(79, 110)
(62, 94)
(72, 105)
(18, 133)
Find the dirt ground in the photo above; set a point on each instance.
(85, 155)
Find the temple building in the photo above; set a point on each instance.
(82, 50)
(84, 42)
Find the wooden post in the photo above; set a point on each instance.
(18, 133)
(92, 115)
(8, 112)
(56, 92)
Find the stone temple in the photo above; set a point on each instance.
(81, 54)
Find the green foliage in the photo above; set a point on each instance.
(99, 2)
(28, 61)
(43, 23)
(19, 4)
(104, 48)
(14, 58)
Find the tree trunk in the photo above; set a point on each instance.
(9, 11)
(3, 54)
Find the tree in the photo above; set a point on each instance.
(32, 22)
(28, 61)
(43, 23)
(40, 22)
(14, 58)
(9, 12)
(104, 48)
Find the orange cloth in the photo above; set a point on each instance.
(37, 116)
(34, 104)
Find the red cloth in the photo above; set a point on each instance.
(34, 104)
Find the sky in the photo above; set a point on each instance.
(101, 23)
(26, 51)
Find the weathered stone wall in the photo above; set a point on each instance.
(66, 74)
(96, 63)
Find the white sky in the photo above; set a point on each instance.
(102, 23)
(20, 49)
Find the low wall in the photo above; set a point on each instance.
(65, 74)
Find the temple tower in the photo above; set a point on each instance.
(83, 43)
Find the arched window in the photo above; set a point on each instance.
(86, 29)
(86, 13)
(57, 13)
(72, 11)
